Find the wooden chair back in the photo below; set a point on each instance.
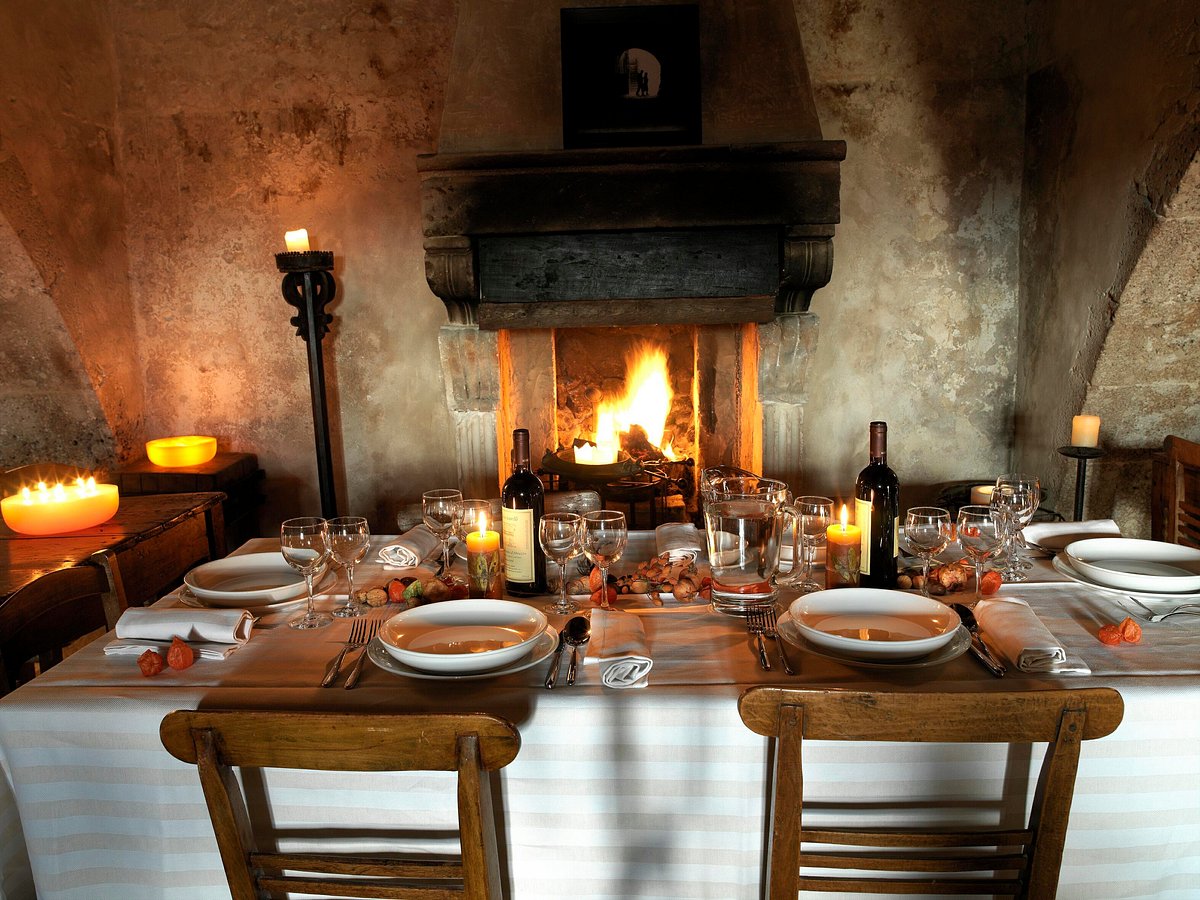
(471, 745)
(1022, 862)
(1175, 493)
(55, 609)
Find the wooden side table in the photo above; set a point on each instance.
(236, 475)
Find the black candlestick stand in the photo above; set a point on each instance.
(308, 285)
(1081, 455)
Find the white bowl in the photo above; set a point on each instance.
(457, 636)
(1137, 565)
(869, 623)
(248, 580)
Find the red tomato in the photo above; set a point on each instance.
(150, 662)
(598, 596)
(179, 654)
(1109, 634)
(991, 583)
(1131, 631)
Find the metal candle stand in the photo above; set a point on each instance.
(308, 285)
(1081, 455)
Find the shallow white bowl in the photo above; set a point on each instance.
(459, 636)
(868, 623)
(248, 580)
(1136, 565)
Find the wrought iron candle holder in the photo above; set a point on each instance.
(1081, 455)
(308, 285)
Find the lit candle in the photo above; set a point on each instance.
(981, 494)
(188, 450)
(483, 562)
(63, 508)
(843, 546)
(1085, 431)
(297, 241)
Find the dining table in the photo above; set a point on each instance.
(656, 791)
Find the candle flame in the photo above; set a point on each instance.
(845, 517)
(482, 523)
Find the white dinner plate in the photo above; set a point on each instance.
(542, 648)
(959, 643)
(870, 623)
(1164, 601)
(187, 598)
(462, 636)
(1137, 565)
(249, 580)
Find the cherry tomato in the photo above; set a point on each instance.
(1109, 634)
(1131, 631)
(179, 654)
(150, 662)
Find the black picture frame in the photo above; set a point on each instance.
(631, 76)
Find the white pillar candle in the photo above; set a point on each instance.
(981, 494)
(1085, 431)
(297, 241)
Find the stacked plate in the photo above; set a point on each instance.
(248, 581)
(880, 627)
(1152, 569)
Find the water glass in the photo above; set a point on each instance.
(1016, 497)
(981, 538)
(604, 536)
(304, 543)
(440, 510)
(928, 531)
(349, 540)
(813, 515)
(561, 537)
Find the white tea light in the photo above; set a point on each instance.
(981, 494)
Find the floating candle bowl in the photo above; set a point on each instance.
(60, 508)
(189, 450)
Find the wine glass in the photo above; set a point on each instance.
(813, 515)
(1018, 495)
(440, 511)
(561, 537)
(928, 531)
(981, 537)
(604, 537)
(305, 545)
(349, 540)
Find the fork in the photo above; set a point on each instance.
(769, 622)
(358, 637)
(755, 625)
(1183, 609)
(352, 678)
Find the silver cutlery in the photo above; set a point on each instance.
(358, 637)
(755, 627)
(978, 647)
(579, 632)
(1183, 609)
(769, 619)
(352, 678)
(552, 675)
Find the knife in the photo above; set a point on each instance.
(978, 647)
(552, 675)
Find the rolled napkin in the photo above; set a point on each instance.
(618, 645)
(678, 536)
(410, 549)
(1054, 536)
(1010, 626)
(212, 633)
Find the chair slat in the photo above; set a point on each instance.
(357, 865)
(871, 862)
(338, 887)
(862, 837)
(960, 887)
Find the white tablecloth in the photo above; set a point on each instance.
(655, 793)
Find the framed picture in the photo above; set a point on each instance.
(631, 76)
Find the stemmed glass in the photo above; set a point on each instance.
(1017, 496)
(349, 540)
(604, 537)
(305, 545)
(928, 531)
(561, 537)
(981, 537)
(813, 515)
(440, 511)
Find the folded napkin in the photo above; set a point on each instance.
(212, 633)
(618, 645)
(679, 536)
(410, 549)
(1010, 626)
(1056, 535)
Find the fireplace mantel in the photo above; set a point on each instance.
(734, 233)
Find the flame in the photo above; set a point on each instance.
(646, 402)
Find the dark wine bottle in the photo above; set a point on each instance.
(523, 499)
(877, 513)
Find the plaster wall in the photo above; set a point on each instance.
(1113, 111)
(62, 242)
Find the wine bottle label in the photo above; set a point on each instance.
(862, 518)
(518, 545)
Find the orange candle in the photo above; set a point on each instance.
(483, 562)
(188, 450)
(842, 549)
(61, 508)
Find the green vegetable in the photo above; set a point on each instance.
(413, 591)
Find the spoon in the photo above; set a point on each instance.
(578, 631)
(552, 675)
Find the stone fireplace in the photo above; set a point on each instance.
(552, 263)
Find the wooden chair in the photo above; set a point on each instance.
(1032, 854)
(52, 611)
(471, 745)
(1175, 493)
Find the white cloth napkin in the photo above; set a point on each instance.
(1056, 535)
(410, 549)
(1010, 626)
(678, 536)
(212, 633)
(618, 645)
